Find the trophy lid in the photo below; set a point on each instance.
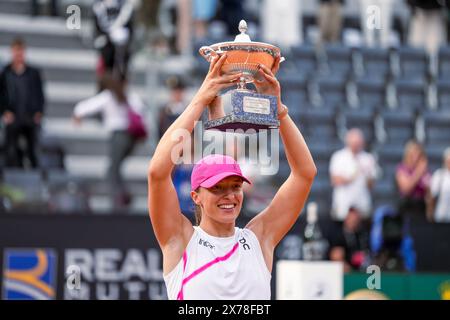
(243, 54)
(242, 41)
(243, 36)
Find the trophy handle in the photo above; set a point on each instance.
(207, 53)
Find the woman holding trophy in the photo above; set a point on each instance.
(216, 259)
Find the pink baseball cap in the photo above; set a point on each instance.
(214, 168)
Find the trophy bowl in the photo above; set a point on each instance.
(242, 56)
(242, 108)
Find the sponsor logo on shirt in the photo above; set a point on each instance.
(206, 243)
(244, 243)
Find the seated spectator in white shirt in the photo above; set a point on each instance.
(352, 172)
(440, 191)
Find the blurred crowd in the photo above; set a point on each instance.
(281, 23)
(182, 23)
(363, 231)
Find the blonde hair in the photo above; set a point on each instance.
(409, 146)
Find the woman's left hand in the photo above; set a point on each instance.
(266, 82)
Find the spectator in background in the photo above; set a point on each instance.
(376, 37)
(428, 24)
(35, 8)
(349, 241)
(440, 191)
(183, 34)
(352, 172)
(231, 13)
(391, 243)
(114, 27)
(148, 13)
(202, 13)
(281, 22)
(174, 23)
(114, 102)
(176, 105)
(413, 178)
(330, 20)
(21, 105)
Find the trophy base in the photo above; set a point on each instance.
(233, 122)
(248, 110)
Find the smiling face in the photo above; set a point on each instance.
(222, 202)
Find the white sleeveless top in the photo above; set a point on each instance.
(214, 268)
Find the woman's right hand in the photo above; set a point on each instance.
(215, 82)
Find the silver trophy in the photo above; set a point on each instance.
(242, 108)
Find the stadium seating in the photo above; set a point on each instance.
(51, 155)
(362, 119)
(389, 156)
(67, 193)
(319, 123)
(332, 91)
(294, 92)
(384, 192)
(376, 63)
(339, 60)
(413, 63)
(398, 125)
(411, 94)
(305, 59)
(317, 87)
(437, 127)
(27, 189)
(371, 93)
(443, 94)
(444, 62)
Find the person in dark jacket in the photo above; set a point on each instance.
(21, 106)
(114, 32)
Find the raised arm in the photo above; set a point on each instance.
(171, 228)
(91, 106)
(274, 222)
